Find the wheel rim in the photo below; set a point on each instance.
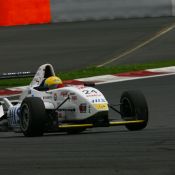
(127, 111)
(25, 117)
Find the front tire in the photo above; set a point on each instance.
(33, 117)
(134, 107)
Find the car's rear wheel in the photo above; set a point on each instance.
(33, 117)
(134, 107)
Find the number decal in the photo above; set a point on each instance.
(87, 92)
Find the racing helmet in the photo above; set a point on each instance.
(53, 82)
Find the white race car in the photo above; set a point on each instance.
(71, 109)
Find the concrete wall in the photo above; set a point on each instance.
(80, 10)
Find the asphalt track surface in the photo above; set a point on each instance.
(70, 46)
(102, 151)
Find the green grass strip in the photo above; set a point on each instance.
(92, 71)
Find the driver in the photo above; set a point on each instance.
(53, 82)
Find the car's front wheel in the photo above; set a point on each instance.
(33, 117)
(134, 107)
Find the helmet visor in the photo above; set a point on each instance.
(55, 86)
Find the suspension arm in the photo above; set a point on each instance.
(114, 109)
(62, 103)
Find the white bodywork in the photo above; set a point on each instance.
(91, 99)
(83, 101)
(69, 109)
(1, 111)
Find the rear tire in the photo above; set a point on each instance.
(33, 117)
(134, 107)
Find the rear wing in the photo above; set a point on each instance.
(43, 72)
(13, 75)
(13, 92)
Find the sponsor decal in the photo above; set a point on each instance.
(55, 97)
(80, 87)
(101, 106)
(48, 92)
(98, 100)
(13, 116)
(94, 95)
(64, 93)
(83, 108)
(67, 110)
(74, 98)
(47, 97)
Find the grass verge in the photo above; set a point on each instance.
(92, 71)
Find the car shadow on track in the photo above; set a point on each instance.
(8, 135)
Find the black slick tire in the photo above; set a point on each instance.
(134, 107)
(33, 117)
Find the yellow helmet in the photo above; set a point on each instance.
(53, 82)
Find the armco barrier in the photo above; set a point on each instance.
(80, 10)
(17, 12)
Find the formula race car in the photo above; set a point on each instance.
(71, 109)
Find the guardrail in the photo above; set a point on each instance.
(81, 10)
